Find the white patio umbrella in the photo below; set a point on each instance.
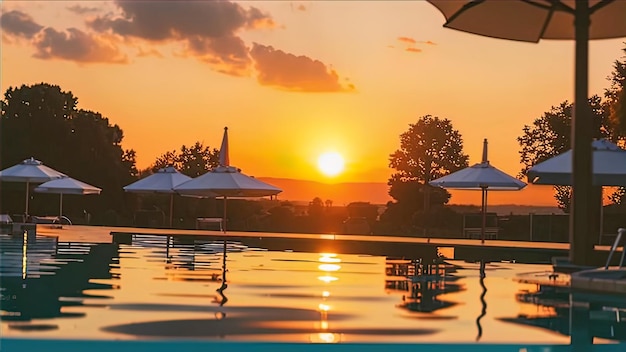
(530, 21)
(163, 181)
(227, 182)
(609, 169)
(66, 185)
(29, 171)
(483, 177)
(608, 160)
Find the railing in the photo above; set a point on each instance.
(620, 232)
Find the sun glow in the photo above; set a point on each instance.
(330, 163)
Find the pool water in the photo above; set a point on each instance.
(160, 288)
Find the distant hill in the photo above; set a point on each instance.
(377, 193)
(339, 193)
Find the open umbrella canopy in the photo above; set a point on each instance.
(481, 176)
(478, 176)
(29, 171)
(226, 181)
(609, 167)
(533, 20)
(162, 181)
(66, 185)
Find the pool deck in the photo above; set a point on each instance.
(102, 234)
(466, 249)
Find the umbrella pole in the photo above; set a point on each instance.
(224, 285)
(171, 207)
(60, 207)
(579, 223)
(484, 211)
(224, 216)
(26, 211)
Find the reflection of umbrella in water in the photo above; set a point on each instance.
(163, 181)
(483, 310)
(29, 171)
(66, 185)
(480, 176)
(226, 181)
(530, 21)
(608, 161)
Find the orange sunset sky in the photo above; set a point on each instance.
(291, 80)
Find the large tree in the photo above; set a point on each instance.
(550, 135)
(431, 148)
(43, 121)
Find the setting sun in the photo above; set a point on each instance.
(330, 164)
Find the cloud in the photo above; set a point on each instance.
(207, 30)
(75, 45)
(83, 10)
(410, 44)
(407, 40)
(174, 20)
(227, 54)
(295, 73)
(298, 7)
(19, 24)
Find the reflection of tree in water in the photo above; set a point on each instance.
(595, 315)
(422, 282)
(50, 276)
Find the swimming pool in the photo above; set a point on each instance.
(161, 289)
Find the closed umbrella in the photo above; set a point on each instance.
(66, 185)
(482, 176)
(162, 181)
(530, 21)
(29, 171)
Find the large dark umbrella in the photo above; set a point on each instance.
(530, 21)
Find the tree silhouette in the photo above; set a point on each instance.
(192, 161)
(43, 122)
(430, 149)
(550, 135)
(616, 96)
